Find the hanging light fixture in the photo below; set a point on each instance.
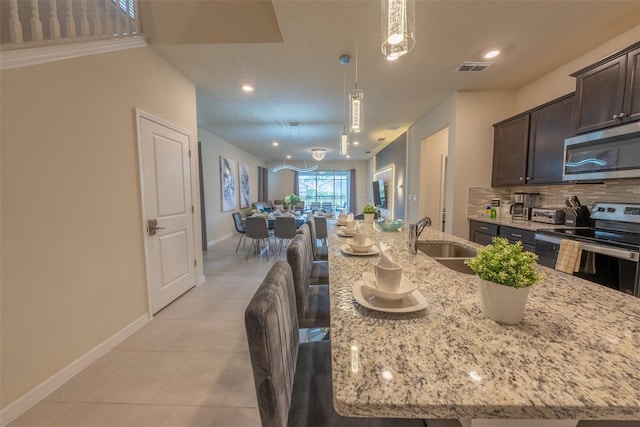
(356, 96)
(398, 27)
(344, 136)
(318, 153)
(284, 165)
(344, 143)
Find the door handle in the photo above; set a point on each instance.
(152, 227)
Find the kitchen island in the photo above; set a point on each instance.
(574, 356)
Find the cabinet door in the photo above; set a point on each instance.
(549, 127)
(510, 152)
(632, 88)
(599, 96)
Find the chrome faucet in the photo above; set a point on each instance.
(415, 230)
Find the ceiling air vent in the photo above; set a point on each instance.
(381, 139)
(474, 66)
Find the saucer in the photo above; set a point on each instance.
(413, 301)
(345, 233)
(406, 287)
(347, 249)
(360, 248)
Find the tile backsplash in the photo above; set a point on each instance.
(553, 196)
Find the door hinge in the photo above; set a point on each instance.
(195, 262)
(189, 152)
(192, 209)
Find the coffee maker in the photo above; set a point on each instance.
(523, 204)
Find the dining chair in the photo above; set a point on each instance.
(319, 268)
(292, 379)
(237, 221)
(320, 253)
(256, 229)
(284, 229)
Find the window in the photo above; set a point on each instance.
(127, 5)
(325, 190)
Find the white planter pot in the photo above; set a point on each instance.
(500, 303)
(368, 218)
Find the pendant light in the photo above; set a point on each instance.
(356, 96)
(284, 165)
(344, 136)
(398, 27)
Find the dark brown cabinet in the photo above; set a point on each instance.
(608, 92)
(528, 148)
(482, 232)
(528, 238)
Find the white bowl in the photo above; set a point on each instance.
(360, 248)
(406, 287)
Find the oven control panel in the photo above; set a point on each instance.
(625, 212)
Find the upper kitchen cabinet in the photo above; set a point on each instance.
(608, 92)
(529, 148)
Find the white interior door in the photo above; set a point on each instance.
(166, 193)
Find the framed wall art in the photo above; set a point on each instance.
(244, 186)
(228, 184)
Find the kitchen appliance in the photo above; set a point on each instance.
(610, 247)
(576, 215)
(523, 202)
(604, 154)
(546, 215)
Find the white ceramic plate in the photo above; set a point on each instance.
(347, 249)
(406, 287)
(413, 301)
(368, 243)
(345, 233)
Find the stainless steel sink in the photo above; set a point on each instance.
(451, 255)
(445, 250)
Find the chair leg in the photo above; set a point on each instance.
(250, 247)
(242, 236)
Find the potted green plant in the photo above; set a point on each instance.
(506, 273)
(369, 212)
(291, 201)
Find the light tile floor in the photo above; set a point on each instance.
(187, 367)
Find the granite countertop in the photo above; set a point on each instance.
(574, 355)
(517, 223)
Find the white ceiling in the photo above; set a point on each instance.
(299, 79)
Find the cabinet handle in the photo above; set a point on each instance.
(615, 116)
(621, 115)
(483, 228)
(516, 235)
(521, 178)
(529, 179)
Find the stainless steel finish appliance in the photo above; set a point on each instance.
(604, 154)
(523, 202)
(610, 247)
(549, 216)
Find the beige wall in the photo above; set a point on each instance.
(73, 268)
(220, 224)
(559, 82)
(281, 183)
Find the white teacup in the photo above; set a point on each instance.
(388, 278)
(342, 215)
(360, 239)
(351, 225)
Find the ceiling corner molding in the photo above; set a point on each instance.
(39, 55)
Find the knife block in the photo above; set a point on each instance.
(579, 218)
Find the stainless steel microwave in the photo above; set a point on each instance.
(604, 154)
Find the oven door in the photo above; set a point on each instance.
(609, 266)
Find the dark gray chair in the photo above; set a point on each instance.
(284, 229)
(318, 270)
(256, 229)
(322, 232)
(293, 379)
(312, 300)
(320, 253)
(237, 221)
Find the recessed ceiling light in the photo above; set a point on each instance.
(348, 156)
(491, 54)
(356, 142)
(288, 157)
(275, 143)
(248, 88)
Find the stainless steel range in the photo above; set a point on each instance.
(610, 247)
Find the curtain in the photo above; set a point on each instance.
(352, 191)
(263, 184)
(296, 183)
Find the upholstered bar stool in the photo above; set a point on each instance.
(292, 379)
(319, 269)
(320, 253)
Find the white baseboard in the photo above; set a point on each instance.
(218, 240)
(20, 406)
(201, 280)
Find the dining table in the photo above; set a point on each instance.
(271, 221)
(574, 355)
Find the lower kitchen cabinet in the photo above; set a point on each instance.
(482, 232)
(528, 238)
